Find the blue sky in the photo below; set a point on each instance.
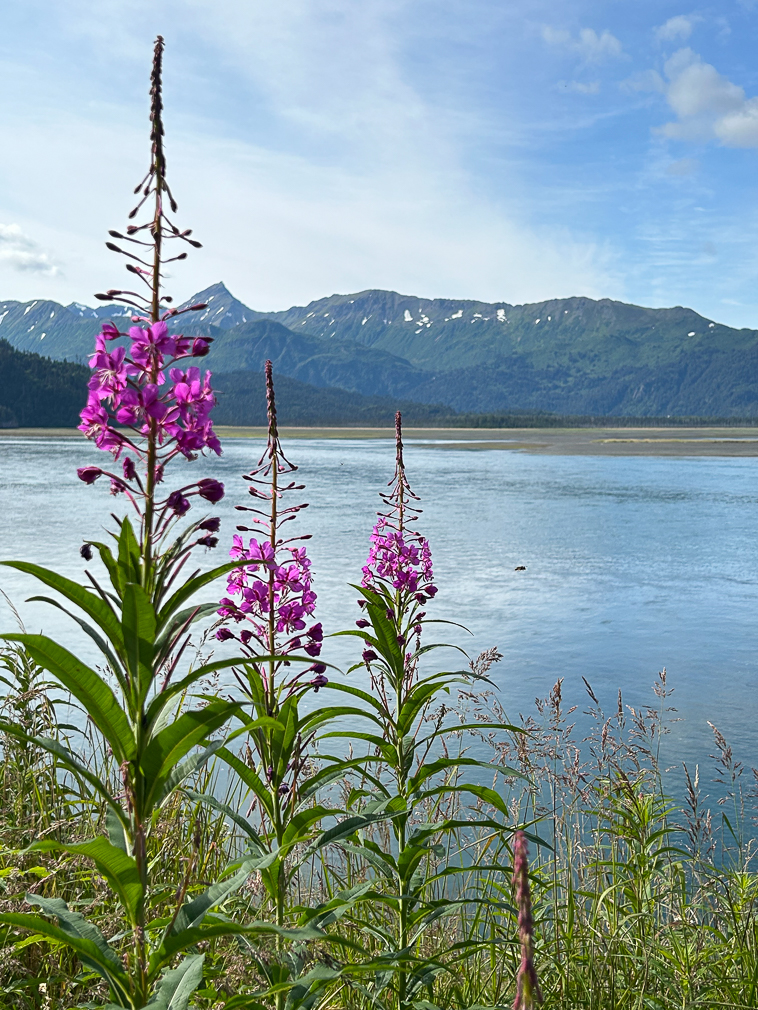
(496, 149)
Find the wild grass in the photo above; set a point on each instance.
(640, 899)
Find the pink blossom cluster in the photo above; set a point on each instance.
(400, 560)
(131, 389)
(271, 582)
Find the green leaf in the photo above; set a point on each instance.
(178, 984)
(166, 750)
(191, 586)
(188, 767)
(111, 565)
(250, 778)
(238, 819)
(182, 621)
(115, 829)
(139, 625)
(193, 912)
(129, 556)
(81, 936)
(92, 604)
(66, 757)
(175, 943)
(118, 868)
(87, 687)
(99, 641)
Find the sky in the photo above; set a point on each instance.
(503, 150)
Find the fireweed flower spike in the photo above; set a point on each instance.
(399, 563)
(139, 699)
(527, 989)
(271, 599)
(139, 403)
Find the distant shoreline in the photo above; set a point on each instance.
(605, 441)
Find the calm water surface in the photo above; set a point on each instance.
(633, 564)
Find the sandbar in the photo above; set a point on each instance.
(607, 441)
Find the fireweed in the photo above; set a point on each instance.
(141, 624)
(268, 611)
(410, 770)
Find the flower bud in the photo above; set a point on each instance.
(86, 551)
(200, 348)
(208, 541)
(369, 656)
(245, 636)
(211, 525)
(224, 634)
(178, 503)
(211, 490)
(363, 624)
(130, 470)
(89, 474)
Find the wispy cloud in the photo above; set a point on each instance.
(20, 252)
(676, 28)
(581, 88)
(588, 45)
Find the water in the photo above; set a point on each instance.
(632, 563)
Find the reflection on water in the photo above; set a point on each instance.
(632, 563)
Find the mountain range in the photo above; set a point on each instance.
(569, 356)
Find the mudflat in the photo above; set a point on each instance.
(544, 441)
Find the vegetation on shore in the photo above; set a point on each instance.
(183, 830)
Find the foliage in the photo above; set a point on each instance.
(38, 392)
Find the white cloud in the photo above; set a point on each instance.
(682, 167)
(362, 181)
(708, 106)
(679, 27)
(588, 45)
(590, 88)
(647, 80)
(22, 253)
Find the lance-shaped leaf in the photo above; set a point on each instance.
(176, 943)
(92, 604)
(81, 936)
(165, 751)
(118, 868)
(177, 985)
(193, 912)
(139, 638)
(70, 761)
(129, 555)
(191, 586)
(87, 687)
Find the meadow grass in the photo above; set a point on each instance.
(639, 900)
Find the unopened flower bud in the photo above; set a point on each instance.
(363, 624)
(316, 632)
(130, 470)
(224, 634)
(89, 474)
(369, 656)
(208, 541)
(210, 489)
(200, 348)
(177, 503)
(245, 636)
(86, 551)
(211, 525)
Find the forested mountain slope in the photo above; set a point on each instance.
(573, 355)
